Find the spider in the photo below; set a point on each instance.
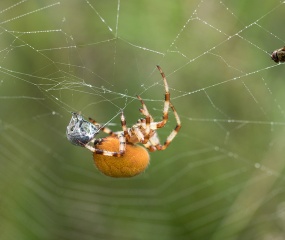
(81, 132)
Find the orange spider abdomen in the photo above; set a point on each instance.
(133, 162)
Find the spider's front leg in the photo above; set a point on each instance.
(121, 152)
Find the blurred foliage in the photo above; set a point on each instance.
(221, 178)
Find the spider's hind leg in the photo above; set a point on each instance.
(166, 100)
(172, 135)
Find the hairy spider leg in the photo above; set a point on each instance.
(154, 143)
(166, 100)
(148, 118)
(148, 136)
(122, 148)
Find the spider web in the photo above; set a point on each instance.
(221, 177)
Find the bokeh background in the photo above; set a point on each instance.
(223, 175)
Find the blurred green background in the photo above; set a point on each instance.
(221, 178)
